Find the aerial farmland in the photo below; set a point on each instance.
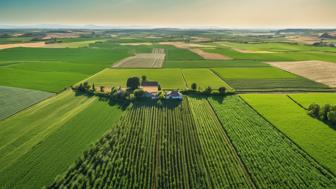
(88, 106)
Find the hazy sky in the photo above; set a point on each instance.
(181, 13)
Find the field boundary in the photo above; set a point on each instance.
(185, 81)
(28, 107)
(296, 102)
(220, 77)
(302, 151)
(243, 166)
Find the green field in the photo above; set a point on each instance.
(160, 147)
(13, 100)
(53, 69)
(168, 78)
(310, 134)
(262, 149)
(319, 98)
(216, 145)
(267, 78)
(203, 78)
(213, 63)
(280, 51)
(55, 133)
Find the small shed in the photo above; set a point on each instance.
(174, 95)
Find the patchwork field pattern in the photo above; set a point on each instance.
(153, 60)
(319, 71)
(13, 100)
(53, 69)
(265, 78)
(263, 149)
(49, 137)
(316, 138)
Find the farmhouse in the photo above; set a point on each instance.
(150, 87)
(174, 95)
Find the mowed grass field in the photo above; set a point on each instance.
(53, 70)
(213, 63)
(168, 78)
(13, 100)
(265, 78)
(316, 138)
(44, 140)
(279, 52)
(306, 99)
(203, 78)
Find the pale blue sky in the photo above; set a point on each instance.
(184, 13)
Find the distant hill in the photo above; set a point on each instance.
(327, 36)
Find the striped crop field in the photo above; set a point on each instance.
(41, 142)
(312, 135)
(271, 158)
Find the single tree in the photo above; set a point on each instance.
(93, 87)
(143, 78)
(314, 110)
(332, 117)
(324, 112)
(133, 83)
(208, 90)
(86, 86)
(102, 89)
(159, 87)
(139, 93)
(222, 90)
(194, 86)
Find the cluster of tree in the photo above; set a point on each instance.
(326, 113)
(53, 40)
(132, 93)
(5, 35)
(208, 90)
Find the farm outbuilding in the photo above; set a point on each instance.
(174, 95)
(150, 87)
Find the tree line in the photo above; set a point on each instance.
(326, 113)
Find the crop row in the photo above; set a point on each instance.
(271, 158)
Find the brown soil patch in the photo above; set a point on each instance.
(183, 45)
(195, 48)
(64, 35)
(244, 50)
(32, 45)
(309, 40)
(252, 52)
(209, 56)
(319, 71)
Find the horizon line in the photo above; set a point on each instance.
(103, 26)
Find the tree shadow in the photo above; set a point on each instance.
(122, 104)
(148, 103)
